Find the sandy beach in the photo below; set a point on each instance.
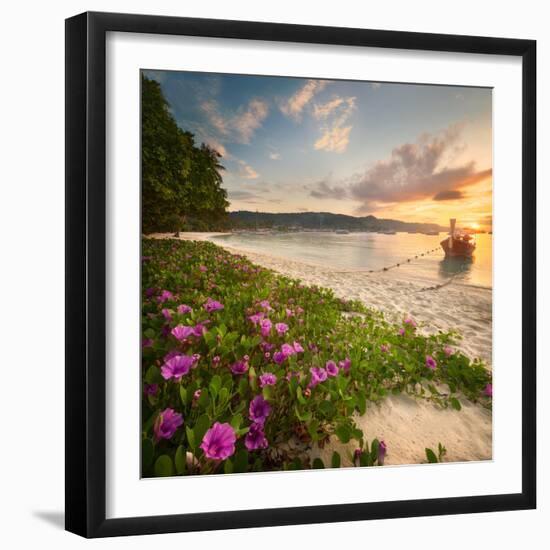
(407, 425)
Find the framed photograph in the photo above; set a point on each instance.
(300, 274)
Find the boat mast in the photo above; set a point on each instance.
(452, 232)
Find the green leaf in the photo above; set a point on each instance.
(318, 464)
(163, 466)
(240, 461)
(201, 427)
(190, 437)
(183, 395)
(215, 385)
(374, 450)
(180, 460)
(364, 459)
(361, 402)
(455, 403)
(430, 455)
(228, 466)
(147, 452)
(236, 421)
(343, 432)
(336, 460)
(300, 395)
(152, 375)
(327, 408)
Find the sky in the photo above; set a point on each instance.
(403, 151)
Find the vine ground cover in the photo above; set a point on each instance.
(245, 370)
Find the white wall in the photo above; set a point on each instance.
(31, 274)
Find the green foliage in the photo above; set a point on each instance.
(181, 183)
(382, 358)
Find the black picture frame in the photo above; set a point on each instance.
(86, 274)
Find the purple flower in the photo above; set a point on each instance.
(267, 379)
(410, 322)
(255, 438)
(266, 346)
(256, 318)
(401, 331)
(203, 268)
(318, 375)
(298, 347)
(177, 366)
(431, 363)
(216, 360)
(265, 327)
(488, 390)
(165, 295)
(384, 348)
(151, 389)
(265, 304)
(146, 343)
(212, 305)
(149, 292)
(182, 332)
(240, 367)
(313, 347)
(199, 330)
(289, 312)
(331, 368)
(166, 314)
(279, 357)
(281, 328)
(183, 309)
(218, 442)
(166, 424)
(448, 351)
(345, 364)
(287, 350)
(382, 450)
(259, 410)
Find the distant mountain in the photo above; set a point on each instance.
(324, 221)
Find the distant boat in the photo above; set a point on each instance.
(341, 232)
(458, 244)
(434, 233)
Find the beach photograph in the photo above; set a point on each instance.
(316, 274)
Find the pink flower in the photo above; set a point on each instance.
(166, 314)
(203, 268)
(146, 343)
(240, 367)
(410, 322)
(384, 348)
(298, 347)
(259, 410)
(218, 442)
(177, 366)
(265, 304)
(287, 350)
(279, 357)
(289, 312)
(345, 364)
(281, 328)
(182, 332)
(165, 295)
(199, 330)
(401, 332)
(256, 318)
(166, 424)
(151, 389)
(431, 363)
(448, 351)
(265, 327)
(255, 438)
(488, 390)
(267, 379)
(331, 368)
(212, 305)
(183, 309)
(318, 375)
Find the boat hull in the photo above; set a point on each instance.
(459, 248)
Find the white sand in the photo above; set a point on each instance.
(407, 425)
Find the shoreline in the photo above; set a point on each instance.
(406, 424)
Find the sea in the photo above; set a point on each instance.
(374, 251)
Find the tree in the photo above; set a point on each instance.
(181, 183)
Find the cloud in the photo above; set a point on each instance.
(294, 106)
(246, 171)
(275, 156)
(217, 146)
(449, 195)
(324, 191)
(335, 132)
(237, 126)
(416, 171)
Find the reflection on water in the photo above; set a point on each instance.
(366, 251)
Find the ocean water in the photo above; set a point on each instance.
(374, 251)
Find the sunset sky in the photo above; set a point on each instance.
(402, 151)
